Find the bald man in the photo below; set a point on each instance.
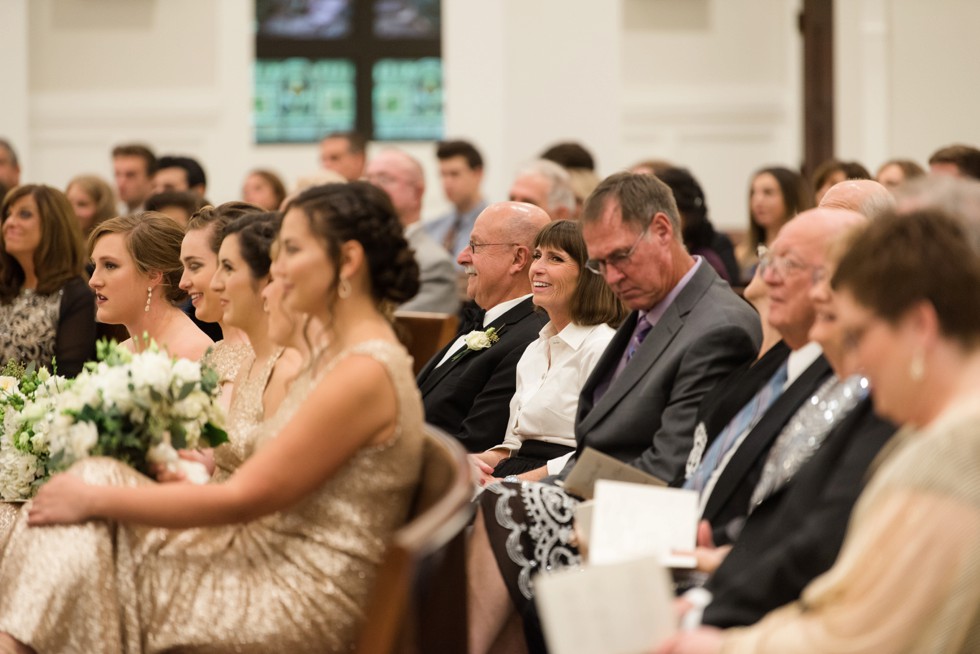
(400, 176)
(467, 391)
(865, 196)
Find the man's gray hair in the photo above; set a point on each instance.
(639, 196)
(959, 197)
(561, 193)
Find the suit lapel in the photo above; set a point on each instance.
(434, 376)
(646, 357)
(759, 439)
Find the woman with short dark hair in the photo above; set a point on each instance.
(583, 311)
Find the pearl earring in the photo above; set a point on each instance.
(149, 296)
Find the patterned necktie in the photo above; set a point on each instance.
(640, 333)
(743, 421)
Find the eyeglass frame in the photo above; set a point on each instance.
(767, 260)
(473, 246)
(616, 260)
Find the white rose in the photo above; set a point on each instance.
(477, 341)
(151, 370)
(186, 371)
(81, 439)
(8, 384)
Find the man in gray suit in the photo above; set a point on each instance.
(686, 332)
(401, 177)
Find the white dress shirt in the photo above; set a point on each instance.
(488, 317)
(550, 377)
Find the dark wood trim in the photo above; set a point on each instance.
(817, 28)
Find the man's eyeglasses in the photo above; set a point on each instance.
(617, 260)
(783, 266)
(474, 247)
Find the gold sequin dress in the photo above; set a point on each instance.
(294, 581)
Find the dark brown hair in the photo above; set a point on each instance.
(137, 150)
(964, 157)
(922, 256)
(592, 301)
(60, 255)
(153, 242)
(796, 198)
(359, 211)
(215, 218)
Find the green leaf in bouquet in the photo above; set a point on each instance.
(213, 435)
(186, 390)
(178, 436)
(209, 379)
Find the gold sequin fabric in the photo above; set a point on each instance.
(294, 581)
(244, 416)
(227, 359)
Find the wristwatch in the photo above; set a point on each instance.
(514, 479)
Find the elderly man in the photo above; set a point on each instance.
(466, 391)
(687, 331)
(344, 153)
(547, 185)
(865, 196)
(773, 390)
(400, 176)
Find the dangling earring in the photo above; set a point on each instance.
(917, 367)
(265, 305)
(149, 296)
(343, 289)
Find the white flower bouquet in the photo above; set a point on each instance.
(133, 407)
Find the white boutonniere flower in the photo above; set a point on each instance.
(477, 340)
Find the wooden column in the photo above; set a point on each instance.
(817, 28)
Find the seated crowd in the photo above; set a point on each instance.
(813, 382)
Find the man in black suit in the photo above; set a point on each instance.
(466, 389)
(726, 487)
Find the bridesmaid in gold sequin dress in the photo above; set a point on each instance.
(285, 552)
(199, 256)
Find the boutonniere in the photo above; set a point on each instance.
(477, 340)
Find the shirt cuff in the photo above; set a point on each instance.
(555, 466)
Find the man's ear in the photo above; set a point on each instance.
(522, 258)
(662, 227)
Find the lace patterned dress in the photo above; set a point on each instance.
(294, 581)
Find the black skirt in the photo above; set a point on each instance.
(531, 456)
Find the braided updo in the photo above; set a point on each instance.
(358, 211)
(256, 232)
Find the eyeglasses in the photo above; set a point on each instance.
(782, 266)
(474, 246)
(617, 260)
